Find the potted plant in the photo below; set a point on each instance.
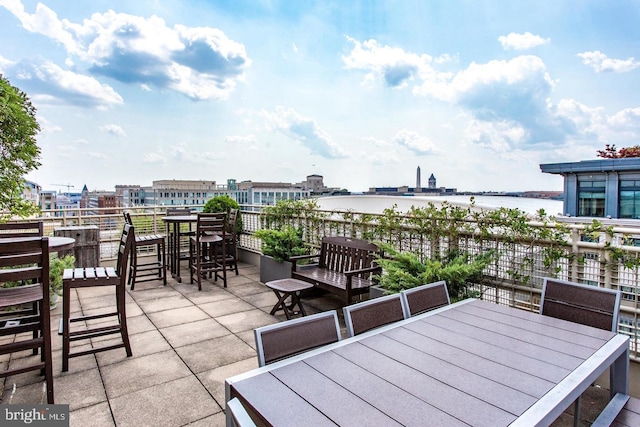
(278, 245)
(405, 270)
(56, 269)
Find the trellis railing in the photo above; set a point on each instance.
(601, 256)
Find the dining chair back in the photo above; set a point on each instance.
(24, 265)
(373, 313)
(281, 340)
(239, 415)
(426, 297)
(588, 305)
(21, 229)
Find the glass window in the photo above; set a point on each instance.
(629, 199)
(591, 198)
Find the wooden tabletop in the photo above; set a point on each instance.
(180, 218)
(471, 363)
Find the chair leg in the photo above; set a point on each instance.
(45, 319)
(122, 318)
(66, 309)
(163, 263)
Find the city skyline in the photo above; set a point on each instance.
(477, 93)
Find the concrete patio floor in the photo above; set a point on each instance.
(185, 344)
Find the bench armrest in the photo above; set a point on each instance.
(294, 260)
(372, 269)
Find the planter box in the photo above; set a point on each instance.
(375, 291)
(270, 269)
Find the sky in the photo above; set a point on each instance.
(478, 93)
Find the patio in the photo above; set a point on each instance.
(185, 344)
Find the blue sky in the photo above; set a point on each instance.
(479, 93)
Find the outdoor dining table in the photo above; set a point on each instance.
(471, 363)
(174, 223)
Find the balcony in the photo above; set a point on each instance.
(186, 343)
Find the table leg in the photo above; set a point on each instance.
(619, 375)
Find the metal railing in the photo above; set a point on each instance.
(515, 278)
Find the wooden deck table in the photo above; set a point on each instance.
(174, 223)
(470, 363)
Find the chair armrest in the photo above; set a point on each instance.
(363, 270)
(294, 260)
(611, 411)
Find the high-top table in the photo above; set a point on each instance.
(470, 363)
(173, 223)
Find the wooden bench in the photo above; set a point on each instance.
(345, 267)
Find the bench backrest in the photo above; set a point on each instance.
(345, 254)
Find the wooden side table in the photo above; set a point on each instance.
(285, 288)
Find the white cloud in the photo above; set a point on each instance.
(240, 139)
(50, 84)
(154, 158)
(415, 142)
(381, 152)
(183, 154)
(601, 63)
(199, 62)
(304, 130)
(97, 156)
(114, 130)
(395, 66)
(515, 41)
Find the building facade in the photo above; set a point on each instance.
(606, 188)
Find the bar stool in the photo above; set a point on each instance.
(285, 288)
(147, 271)
(26, 260)
(97, 276)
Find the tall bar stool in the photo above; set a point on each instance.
(23, 229)
(97, 276)
(26, 260)
(153, 270)
(207, 249)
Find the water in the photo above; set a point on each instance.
(377, 204)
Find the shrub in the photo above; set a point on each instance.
(223, 203)
(405, 270)
(281, 244)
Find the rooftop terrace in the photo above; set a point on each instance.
(185, 344)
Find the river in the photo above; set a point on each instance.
(377, 204)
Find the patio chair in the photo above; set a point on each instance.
(281, 340)
(373, 313)
(230, 242)
(23, 229)
(206, 255)
(147, 271)
(588, 305)
(584, 304)
(239, 415)
(424, 298)
(97, 276)
(24, 261)
(187, 234)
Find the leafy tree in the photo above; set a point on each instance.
(20, 153)
(611, 152)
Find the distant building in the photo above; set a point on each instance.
(102, 200)
(198, 192)
(31, 192)
(432, 189)
(600, 188)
